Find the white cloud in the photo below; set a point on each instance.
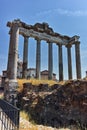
(63, 12)
(44, 12)
(71, 13)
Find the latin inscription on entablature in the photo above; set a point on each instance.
(41, 36)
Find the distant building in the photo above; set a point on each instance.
(31, 73)
(19, 70)
(44, 75)
(4, 73)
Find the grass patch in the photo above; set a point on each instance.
(24, 115)
(21, 82)
(1, 95)
(27, 116)
(35, 82)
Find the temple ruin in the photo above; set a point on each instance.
(41, 32)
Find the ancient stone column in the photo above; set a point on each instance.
(50, 61)
(13, 53)
(38, 57)
(25, 58)
(60, 63)
(10, 91)
(78, 62)
(69, 61)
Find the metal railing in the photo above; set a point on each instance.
(9, 116)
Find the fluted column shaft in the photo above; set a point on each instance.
(25, 57)
(13, 53)
(38, 59)
(50, 61)
(69, 61)
(60, 63)
(78, 62)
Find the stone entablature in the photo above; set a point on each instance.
(43, 32)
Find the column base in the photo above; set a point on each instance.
(10, 91)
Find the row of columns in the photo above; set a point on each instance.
(13, 56)
(50, 59)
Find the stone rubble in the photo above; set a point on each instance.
(58, 105)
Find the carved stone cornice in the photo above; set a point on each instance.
(74, 39)
(42, 31)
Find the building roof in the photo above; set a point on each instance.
(31, 69)
(45, 72)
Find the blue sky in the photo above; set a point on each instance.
(67, 17)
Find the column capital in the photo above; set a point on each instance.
(49, 41)
(68, 45)
(38, 39)
(77, 42)
(15, 25)
(60, 45)
(26, 36)
(13, 28)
